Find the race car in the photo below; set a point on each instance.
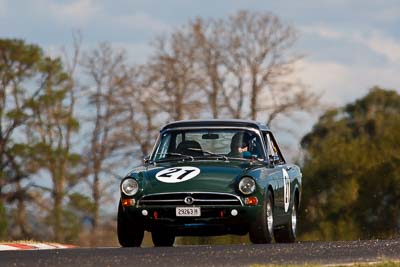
(211, 177)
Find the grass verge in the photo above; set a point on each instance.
(366, 264)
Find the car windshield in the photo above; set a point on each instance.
(205, 143)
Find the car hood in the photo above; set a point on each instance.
(210, 176)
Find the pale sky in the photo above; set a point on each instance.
(348, 45)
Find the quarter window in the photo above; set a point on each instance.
(272, 147)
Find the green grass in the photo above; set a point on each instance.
(366, 264)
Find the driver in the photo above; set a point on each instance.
(240, 145)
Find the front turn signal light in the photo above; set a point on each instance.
(128, 202)
(251, 201)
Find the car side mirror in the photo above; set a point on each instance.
(146, 160)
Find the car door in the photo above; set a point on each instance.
(283, 181)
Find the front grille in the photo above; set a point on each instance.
(198, 198)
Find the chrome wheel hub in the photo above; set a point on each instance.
(270, 218)
(294, 220)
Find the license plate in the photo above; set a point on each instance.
(188, 212)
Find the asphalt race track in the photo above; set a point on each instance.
(342, 252)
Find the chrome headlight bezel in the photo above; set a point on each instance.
(247, 185)
(129, 187)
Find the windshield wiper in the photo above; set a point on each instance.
(209, 153)
(176, 155)
(252, 159)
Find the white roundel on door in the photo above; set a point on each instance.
(177, 174)
(286, 189)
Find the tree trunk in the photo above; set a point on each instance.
(3, 221)
(57, 210)
(96, 203)
(214, 104)
(21, 213)
(254, 96)
(58, 178)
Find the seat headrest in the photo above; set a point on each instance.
(184, 148)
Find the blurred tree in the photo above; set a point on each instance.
(50, 135)
(209, 61)
(257, 56)
(19, 70)
(78, 218)
(140, 102)
(242, 65)
(36, 125)
(108, 76)
(351, 182)
(173, 72)
(3, 222)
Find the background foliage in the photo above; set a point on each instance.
(351, 178)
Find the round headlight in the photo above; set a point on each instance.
(129, 187)
(247, 185)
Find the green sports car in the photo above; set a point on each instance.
(211, 177)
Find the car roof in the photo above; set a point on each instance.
(216, 123)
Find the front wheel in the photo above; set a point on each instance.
(288, 233)
(262, 229)
(162, 239)
(130, 234)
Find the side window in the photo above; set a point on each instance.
(272, 148)
(163, 147)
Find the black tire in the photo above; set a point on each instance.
(261, 230)
(162, 239)
(288, 233)
(130, 234)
